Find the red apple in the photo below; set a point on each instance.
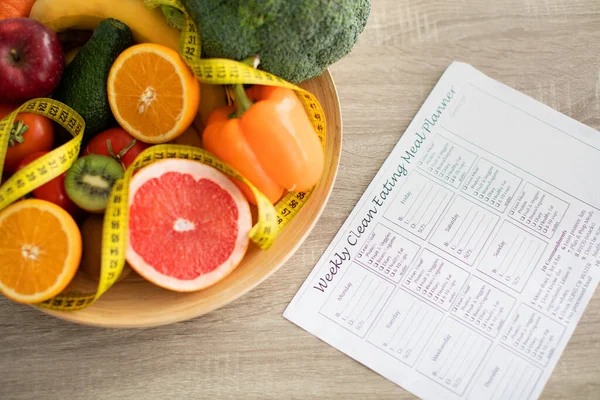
(31, 60)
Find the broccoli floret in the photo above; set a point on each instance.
(295, 39)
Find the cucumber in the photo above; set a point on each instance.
(83, 84)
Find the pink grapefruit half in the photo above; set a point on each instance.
(188, 225)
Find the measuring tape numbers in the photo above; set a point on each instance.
(271, 218)
(48, 166)
(231, 72)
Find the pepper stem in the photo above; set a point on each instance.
(241, 98)
(16, 133)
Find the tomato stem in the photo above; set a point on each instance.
(16, 133)
(122, 153)
(127, 148)
(110, 150)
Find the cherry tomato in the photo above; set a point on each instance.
(31, 133)
(123, 147)
(53, 191)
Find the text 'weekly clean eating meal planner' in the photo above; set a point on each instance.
(467, 263)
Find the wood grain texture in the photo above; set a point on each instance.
(549, 49)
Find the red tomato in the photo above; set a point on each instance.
(125, 148)
(53, 191)
(34, 131)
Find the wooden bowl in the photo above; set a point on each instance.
(134, 302)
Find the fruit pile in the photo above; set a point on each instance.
(188, 223)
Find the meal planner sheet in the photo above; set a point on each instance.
(468, 261)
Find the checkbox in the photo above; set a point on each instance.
(488, 199)
(528, 221)
(452, 180)
(481, 196)
(522, 218)
(511, 213)
(447, 177)
(545, 230)
(539, 228)
(464, 188)
(476, 193)
(497, 205)
(534, 225)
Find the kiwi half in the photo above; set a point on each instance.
(90, 179)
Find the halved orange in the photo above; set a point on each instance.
(152, 93)
(40, 249)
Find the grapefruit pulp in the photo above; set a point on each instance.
(188, 225)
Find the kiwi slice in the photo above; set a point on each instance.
(90, 179)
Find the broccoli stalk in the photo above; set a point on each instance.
(297, 40)
(174, 17)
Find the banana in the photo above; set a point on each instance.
(147, 26)
(70, 55)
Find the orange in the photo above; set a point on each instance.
(40, 249)
(152, 93)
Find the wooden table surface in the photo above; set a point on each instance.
(549, 49)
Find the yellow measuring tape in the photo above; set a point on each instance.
(116, 220)
(45, 168)
(271, 218)
(229, 72)
(48, 166)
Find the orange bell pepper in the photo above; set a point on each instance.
(269, 139)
